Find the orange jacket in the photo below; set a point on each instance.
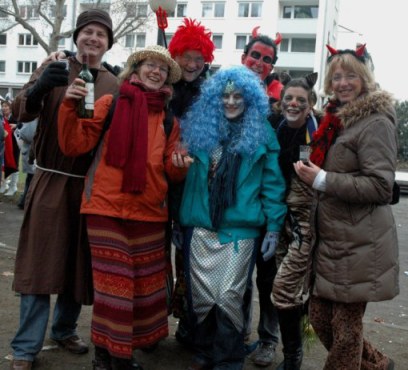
(102, 194)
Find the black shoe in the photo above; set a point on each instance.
(125, 364)
(291, 361)
(150, 349)
(102, 359)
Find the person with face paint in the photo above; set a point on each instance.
(260, 57)
(352, 170)
(294, 132)
(233, 188)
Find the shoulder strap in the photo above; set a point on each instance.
(168, 122)
(106, 124)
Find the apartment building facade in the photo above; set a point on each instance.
(305, 25)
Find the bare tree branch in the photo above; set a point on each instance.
(128, 17)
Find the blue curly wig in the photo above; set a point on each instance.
(204, 126)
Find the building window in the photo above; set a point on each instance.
(241, 41)
(298, 45)
(2, 66)
(26, 67)
(250, 9)
(299, 73)
(28, 11)
(26, 39)
(179, 12)
(3, 39)
(86, 5)
(213, 10)
(141, 10)
(300, 11)
(53, 10)
(303, 45)
(217, 40)
(136, 10)
(169, 36)
(137, 40)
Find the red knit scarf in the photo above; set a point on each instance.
(127, 146)
(325, 135)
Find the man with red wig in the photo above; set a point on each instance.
(192, 48)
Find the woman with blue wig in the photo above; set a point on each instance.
(234, 188)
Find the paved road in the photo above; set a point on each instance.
(386, 323)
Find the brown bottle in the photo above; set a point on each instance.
(86, 104)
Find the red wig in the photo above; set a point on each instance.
(192, 36)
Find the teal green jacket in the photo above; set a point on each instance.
(259, 201)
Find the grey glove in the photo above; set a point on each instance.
(177, 236)
(269, 245)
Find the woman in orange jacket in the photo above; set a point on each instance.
(125, 201)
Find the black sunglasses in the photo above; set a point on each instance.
(257, 55)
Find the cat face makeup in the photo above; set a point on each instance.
(295, 106)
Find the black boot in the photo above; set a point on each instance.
(290, 328)
(102, 359)
(125, 364)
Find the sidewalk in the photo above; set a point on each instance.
(386, 323)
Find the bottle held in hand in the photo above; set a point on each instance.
(86, 104)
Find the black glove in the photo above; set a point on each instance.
(54, 75)
(115, 70)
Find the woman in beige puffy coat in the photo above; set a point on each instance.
(352, 167)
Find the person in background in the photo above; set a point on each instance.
(53, 254)
(233, 187)
(11, 153)
(295, 132)
(192, 48)
(260, 56)
(3, 134)
(352, 168)
(125, 204)
(25, 136)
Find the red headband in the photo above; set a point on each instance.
(359, 53)
(255, 33)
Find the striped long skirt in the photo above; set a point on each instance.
(129, 271)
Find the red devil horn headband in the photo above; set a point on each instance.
(278, 39)
(255, 33)
(332, 50)
(359, 53)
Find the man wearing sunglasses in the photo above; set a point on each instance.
(260, 56)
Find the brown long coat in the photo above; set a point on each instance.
(53, 254)
(356, 259)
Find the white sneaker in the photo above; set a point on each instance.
(4, 187)
(11, 191)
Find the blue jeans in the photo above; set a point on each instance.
(34, 314)
(268, 326)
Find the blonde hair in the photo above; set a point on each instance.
(350, 63)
